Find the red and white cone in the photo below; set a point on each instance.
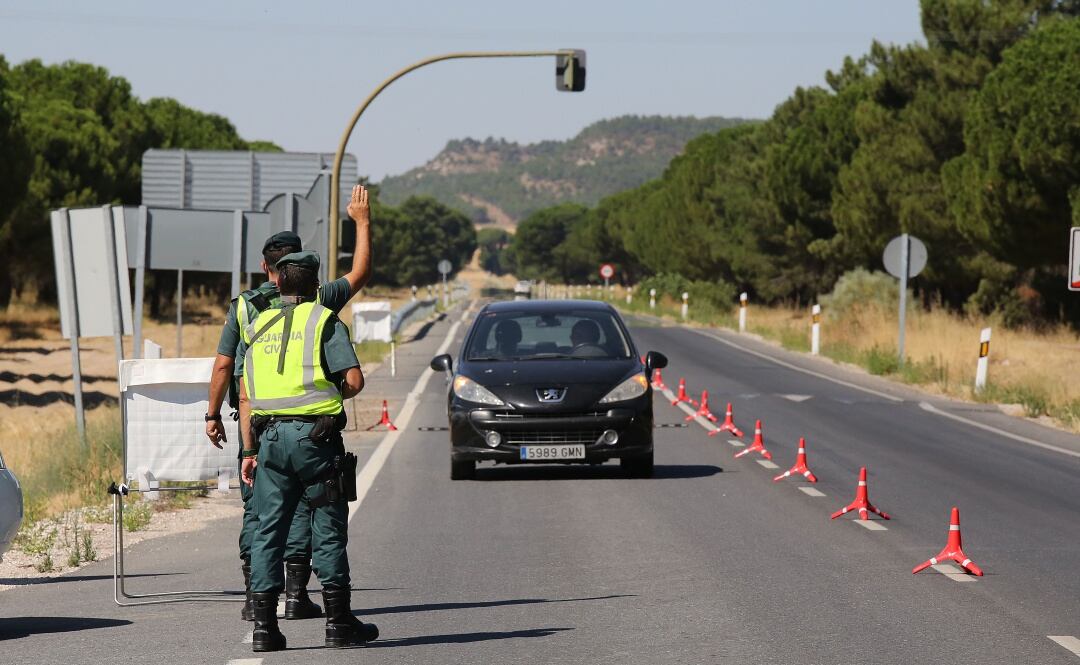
(728, 425)
(658, 380)
(800, 466)
(703, 410)
(384, 419)
(758, 445)
(682, 396)
(953, 550)
(861, 502)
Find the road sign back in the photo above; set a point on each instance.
(1074, 259)
(444, 267)
(916, 260)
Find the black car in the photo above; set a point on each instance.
(556, 381)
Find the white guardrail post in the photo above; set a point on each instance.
(742, 312)
(984, 360)
(652, 298)
(685, 298)
(815, 330)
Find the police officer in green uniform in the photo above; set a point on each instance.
(242, 310)
(299, 365)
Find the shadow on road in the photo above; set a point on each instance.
(604, 471)
(464, 638)
(32, 581)
(432, 607)
(17, 627)
(425, 329)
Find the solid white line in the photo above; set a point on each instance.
(926, 406)
(766, 463)
(365, 478)
(954, 573)
(1068, 642)
(783, 363)
(811, 491)
(245, 661)
(871, 525)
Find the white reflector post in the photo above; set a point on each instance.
(815, 330)
(984, 360)
(652, 298)
(742, 311)
(685, 298)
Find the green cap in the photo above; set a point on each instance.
(305, 259)
(283, 239)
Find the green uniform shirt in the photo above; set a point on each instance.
(333, 296)
(338, 354)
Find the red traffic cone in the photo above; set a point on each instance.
(800, 465)
(703, 410)
(953, 550)
(658, 380)
(682, 396)
(861, 502)
(728, 425)
(384, 420)
(758, 444)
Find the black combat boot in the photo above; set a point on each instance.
(266, 636)
(342, 628)
(297, 603)
(247, 613)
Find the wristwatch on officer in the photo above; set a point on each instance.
(216, 416)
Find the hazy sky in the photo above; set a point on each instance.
(293, 72)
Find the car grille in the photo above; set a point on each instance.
(542, 414)
(528, 438)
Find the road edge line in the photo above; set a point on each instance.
(926, 406)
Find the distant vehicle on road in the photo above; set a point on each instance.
(550, 381)
(522, 290)
(11, 507)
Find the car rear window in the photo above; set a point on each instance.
(584, 334)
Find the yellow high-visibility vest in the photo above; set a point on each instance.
(293, 383)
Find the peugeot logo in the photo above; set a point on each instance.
(550, 395)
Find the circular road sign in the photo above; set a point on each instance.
(607, 271)
(916, 256)
(445, 267)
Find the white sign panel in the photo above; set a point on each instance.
(1074, 259)
(371, 321)
(92, 231)
(164, 432)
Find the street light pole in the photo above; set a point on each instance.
(335, 176)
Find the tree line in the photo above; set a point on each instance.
(72, 135)
(970, 141)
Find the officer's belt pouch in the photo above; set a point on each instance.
(258, 426)
(339, 482)
(324, 428)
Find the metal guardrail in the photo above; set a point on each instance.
(411, 311)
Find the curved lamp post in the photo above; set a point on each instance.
(574, 58)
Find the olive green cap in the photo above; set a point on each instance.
(283, 239)
(305, 259)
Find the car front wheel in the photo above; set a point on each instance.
(639, 466)
(462, 469)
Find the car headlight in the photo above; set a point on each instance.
(471, 391)
(633, 387)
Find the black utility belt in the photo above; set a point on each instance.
(321, 433)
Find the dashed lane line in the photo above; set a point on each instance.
(366, 476)
(1068, 642)
(766, 463)
(954, 573)
(811, 491)
(245, 661)
(871, 525)
(736, 442)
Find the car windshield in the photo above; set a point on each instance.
(584, 334)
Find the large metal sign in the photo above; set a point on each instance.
(1074, 259)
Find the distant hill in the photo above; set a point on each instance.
(499, 182)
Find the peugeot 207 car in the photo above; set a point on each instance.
(556, 381)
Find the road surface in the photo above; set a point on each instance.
(708, 562)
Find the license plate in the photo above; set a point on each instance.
(541, 453)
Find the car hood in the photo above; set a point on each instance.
(585, 381)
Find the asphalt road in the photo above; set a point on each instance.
(708, 562)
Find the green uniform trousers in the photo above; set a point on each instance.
(298, 546)
(289, 463)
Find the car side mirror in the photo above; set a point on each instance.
(655, 360)
(443, 363)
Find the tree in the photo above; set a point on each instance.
(493, 255)
(536, 245)
(15, 167)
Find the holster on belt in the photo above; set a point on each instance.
(339, 482)
(326, 426)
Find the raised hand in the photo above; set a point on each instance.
(359, 208)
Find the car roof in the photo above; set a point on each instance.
(547, 306)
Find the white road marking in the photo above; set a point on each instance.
(250, 637)
(926, 406)
(954, 573)
(797, 398)
(811, 491)
(783, 363)
(1068, 642)
(767, 464)
(736, 442)
(245, 661)
(871, 525)
(365, 478)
